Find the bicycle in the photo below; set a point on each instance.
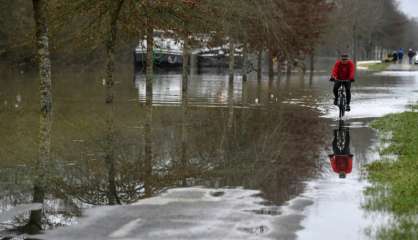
(341, 134)
(342, 99)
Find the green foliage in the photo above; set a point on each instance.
(395, 182)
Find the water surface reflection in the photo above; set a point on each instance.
(341, 159)
(212, 133)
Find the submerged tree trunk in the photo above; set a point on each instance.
(270, 65)
(288, 72)
(289, 67)
(184, 95)
(109, 146)
(112, 195)
(279, 67)
(148, 113)
(259, 65)
(311, 67)
(148, 149)
(244, 69)
(45, 122)
(231, 60)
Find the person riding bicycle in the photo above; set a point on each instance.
(343, 70)
(341, 160)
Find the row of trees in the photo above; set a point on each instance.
(368, 29)
(257, 26)
(284, 29)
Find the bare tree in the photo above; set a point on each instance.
(42, 42)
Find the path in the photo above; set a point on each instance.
(402, 67)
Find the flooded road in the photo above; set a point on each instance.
(255, 155)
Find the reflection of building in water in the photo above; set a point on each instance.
(207, 90)
(341, 160)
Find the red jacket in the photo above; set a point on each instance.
(341, 163)
(344, 71)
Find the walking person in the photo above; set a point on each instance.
(400, 55)
(411, 55)
(395, 57)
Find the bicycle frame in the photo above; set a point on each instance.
(341, 135)
(342, 100)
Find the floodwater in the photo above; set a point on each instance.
(220, 161)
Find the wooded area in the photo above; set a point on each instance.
(45, 33)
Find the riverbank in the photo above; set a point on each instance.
(375, 66)
(394, 179)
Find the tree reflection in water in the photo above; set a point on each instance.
(269, 146)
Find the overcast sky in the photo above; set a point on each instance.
(410, 7)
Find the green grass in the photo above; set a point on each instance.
(395, 182)
(376, 67)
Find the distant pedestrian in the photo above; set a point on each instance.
(411, 55)
(400, 55)
(395, 57)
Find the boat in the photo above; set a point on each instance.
(167, 52)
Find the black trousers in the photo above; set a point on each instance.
(346, 149)
(347, 86)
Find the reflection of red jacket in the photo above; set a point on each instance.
(343, 71)
(341, 163)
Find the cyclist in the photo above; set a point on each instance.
(341, 160)
(343, 70)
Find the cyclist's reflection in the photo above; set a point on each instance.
(342, 159)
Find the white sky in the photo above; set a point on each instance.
(410, 7)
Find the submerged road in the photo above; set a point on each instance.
(327, 208)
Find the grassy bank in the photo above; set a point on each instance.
(395, 180)
(375, 67)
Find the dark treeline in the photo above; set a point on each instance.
(83, 28)
(368, 29)
(289, 29)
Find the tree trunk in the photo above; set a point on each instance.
(110, 50)
(149, 62)
(270, 65)
(244, 92)
(42, 42)
(259, 65)
(288, 72)
(311, 67)
(289, 67)
(148, 112)
(227, 138)
(148, 151)
(112, 195)
(231, 61)
(312, 61)
(355, 46)
(185, 84)
(186, 65)
(279, 67)
(230, 107)
(244, 63)
(110, 58)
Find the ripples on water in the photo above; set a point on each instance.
(263, 136)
